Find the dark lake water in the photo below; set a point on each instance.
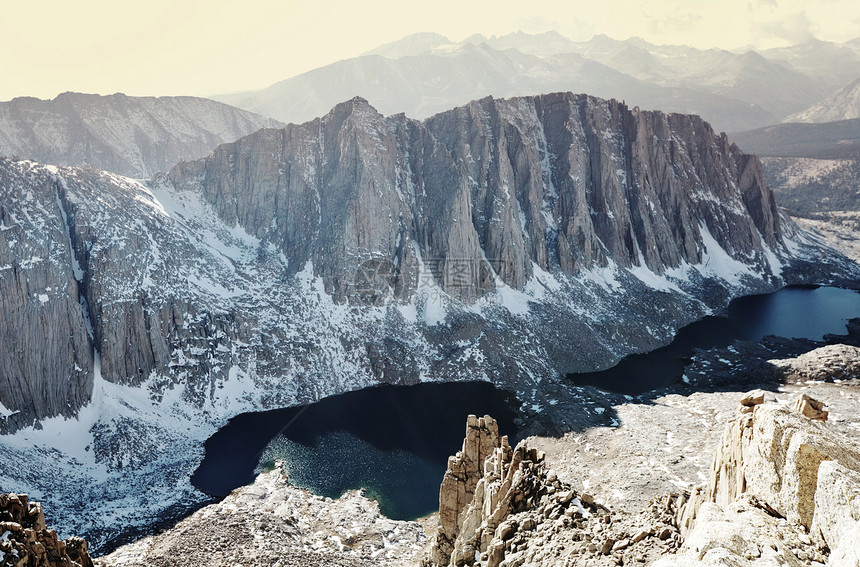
(803, 312)
(394, 441)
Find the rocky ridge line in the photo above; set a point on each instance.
(133, 136)
(520, 513)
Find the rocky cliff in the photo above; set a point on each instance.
(508, 240)
(533, 218)
(133, 136)
(491, 192)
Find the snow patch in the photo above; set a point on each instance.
(718, 263)
(6, 412)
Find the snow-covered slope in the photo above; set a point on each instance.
(133, 136)
(509, 241)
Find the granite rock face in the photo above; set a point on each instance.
(518, 512)
(779, 492)
(774, 453)
(556, 182)
(133, 136)
(47, 363)
(465, 470)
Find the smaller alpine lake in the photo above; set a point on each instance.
(394, 441)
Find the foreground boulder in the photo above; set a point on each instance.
(27, 542)
(780, 492)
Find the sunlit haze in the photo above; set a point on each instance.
(217, 46)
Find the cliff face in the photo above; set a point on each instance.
(302, 262)
(489, 192)
(133, 136)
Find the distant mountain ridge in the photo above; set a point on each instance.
(422, 85)
(131, 136)
(426, 73)
(844, 104)
(829, 140)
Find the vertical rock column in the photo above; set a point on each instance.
(465, 469)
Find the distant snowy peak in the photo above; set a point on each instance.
(133, 136)
(542, 44)
(844, 104)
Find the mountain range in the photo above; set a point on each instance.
(167, 263)
(426, 73)
(503, 240)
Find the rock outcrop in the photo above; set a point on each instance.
(26, 540)
(465, 470)
(774, 452)
(779, 491)
(828, 363)
(133, 136)
(520, 513)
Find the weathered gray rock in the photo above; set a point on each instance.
(27, 541)
(780, 492)
(740, 533)
(133, 136)
(774, 453)
(831, 362)
(496, 187)
(753, 398)
(47, 363)
(522, 514)
(464, 471)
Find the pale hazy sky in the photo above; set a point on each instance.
(201, 47)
